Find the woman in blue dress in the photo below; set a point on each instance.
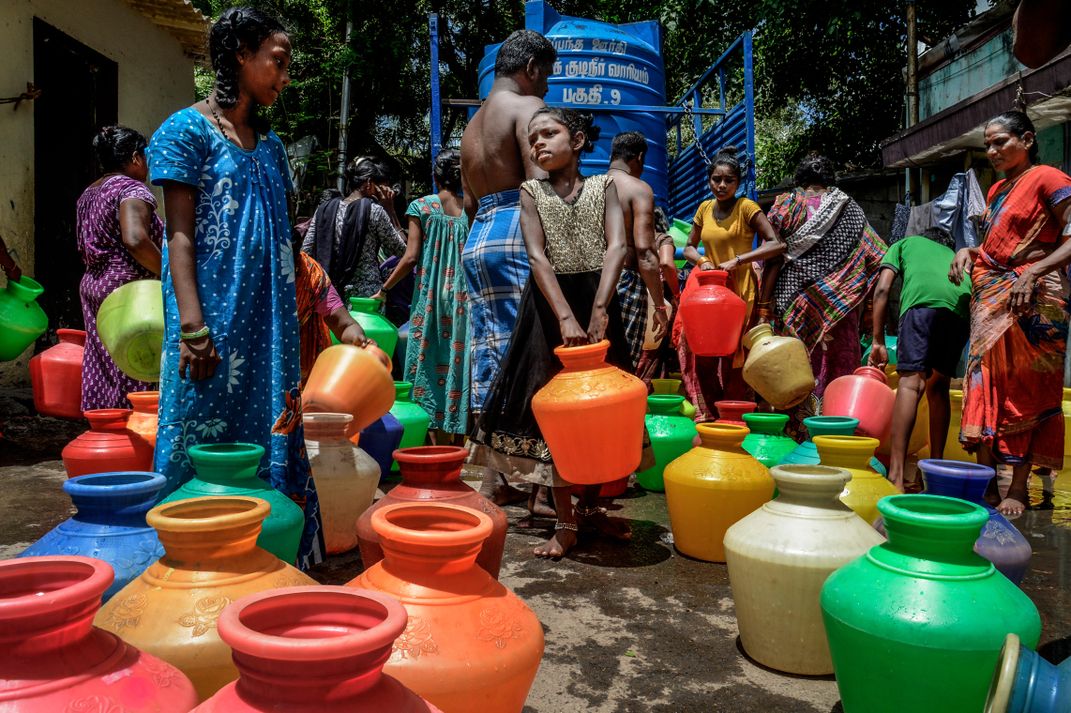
(230, 369)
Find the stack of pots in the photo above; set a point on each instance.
(107, 446)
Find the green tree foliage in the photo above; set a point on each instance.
(829, 75)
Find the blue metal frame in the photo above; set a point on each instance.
(435, 117)
(736, 125)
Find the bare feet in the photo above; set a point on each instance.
(616, 528)
(506, 494)
(563, 541)
(538, 504)
(1011, 506)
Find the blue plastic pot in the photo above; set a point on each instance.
(1000, 542)
(1026, 683)
(109, 525)
(381, 439)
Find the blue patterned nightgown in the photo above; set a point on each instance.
(245, 280)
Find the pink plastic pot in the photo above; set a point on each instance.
(311, 649)
(864, 395)
(712, 315)
(54, 659)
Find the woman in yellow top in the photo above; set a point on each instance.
(727, 226)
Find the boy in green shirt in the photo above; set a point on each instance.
(934, 328)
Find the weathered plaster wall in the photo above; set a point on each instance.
(155, 79)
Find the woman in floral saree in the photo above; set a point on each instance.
(1013, 385)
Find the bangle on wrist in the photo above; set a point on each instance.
(703, 260)
(199, 334)
(660, 308)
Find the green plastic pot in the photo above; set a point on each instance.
(367, 313)
(767, 441)
(671, 437)
(22, 320)
(672, 387)
(130, 323)
(414, 419)
(918, 623)
(231, 469)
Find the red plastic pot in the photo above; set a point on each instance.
(733, 411)
(864, 395)
(311, 649)
(55, 659)
(56, 376)
(433, 474)
(107, 446)
(713, 316)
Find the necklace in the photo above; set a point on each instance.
(219, 123)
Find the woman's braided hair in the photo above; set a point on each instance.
(236, 29)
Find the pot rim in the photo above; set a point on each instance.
(102, 416)
(1000, 689)
(136, 482)
(226, 452)
(97, 577)
(290, 602)
(847, 444)
(146, 397)
(872, 372)
(599, 349)
(805, 474)
(478, 529)
(765, 418)
(227, 512)
(327, 417)
(425, 455)
(957, 468)
(830, 421)
(918, 510)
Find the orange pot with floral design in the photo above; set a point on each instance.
(211, 559)
(591, 416)
(470, 644)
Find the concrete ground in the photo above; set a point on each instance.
(629, 627)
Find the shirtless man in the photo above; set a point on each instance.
(495, 160)
(641, 274)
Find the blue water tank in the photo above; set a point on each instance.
(603, 66)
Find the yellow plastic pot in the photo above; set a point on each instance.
(130, 322)
(867, 486)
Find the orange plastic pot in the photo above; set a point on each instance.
(471, 644)
(591, 416)
(107, 446)
(143, 421)
(211, 559)
(56, 376)
(349, 379)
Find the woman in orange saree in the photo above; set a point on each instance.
(1013, 384)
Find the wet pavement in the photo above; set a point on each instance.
(629, 626)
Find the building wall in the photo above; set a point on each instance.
(155, 79)
(971, 72)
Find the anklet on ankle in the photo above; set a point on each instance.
(571, 526)
(588, 512)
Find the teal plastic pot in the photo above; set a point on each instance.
(231, 469)
(411, 415)
(22, 320)
(767, 441)
(1026, 683)
(918, 623)
(806, 453)
(368, 313)
(130, 322)
(671, 437)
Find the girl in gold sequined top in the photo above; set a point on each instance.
(574, 233)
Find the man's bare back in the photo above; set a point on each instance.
(494, 147)
(637, 201)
